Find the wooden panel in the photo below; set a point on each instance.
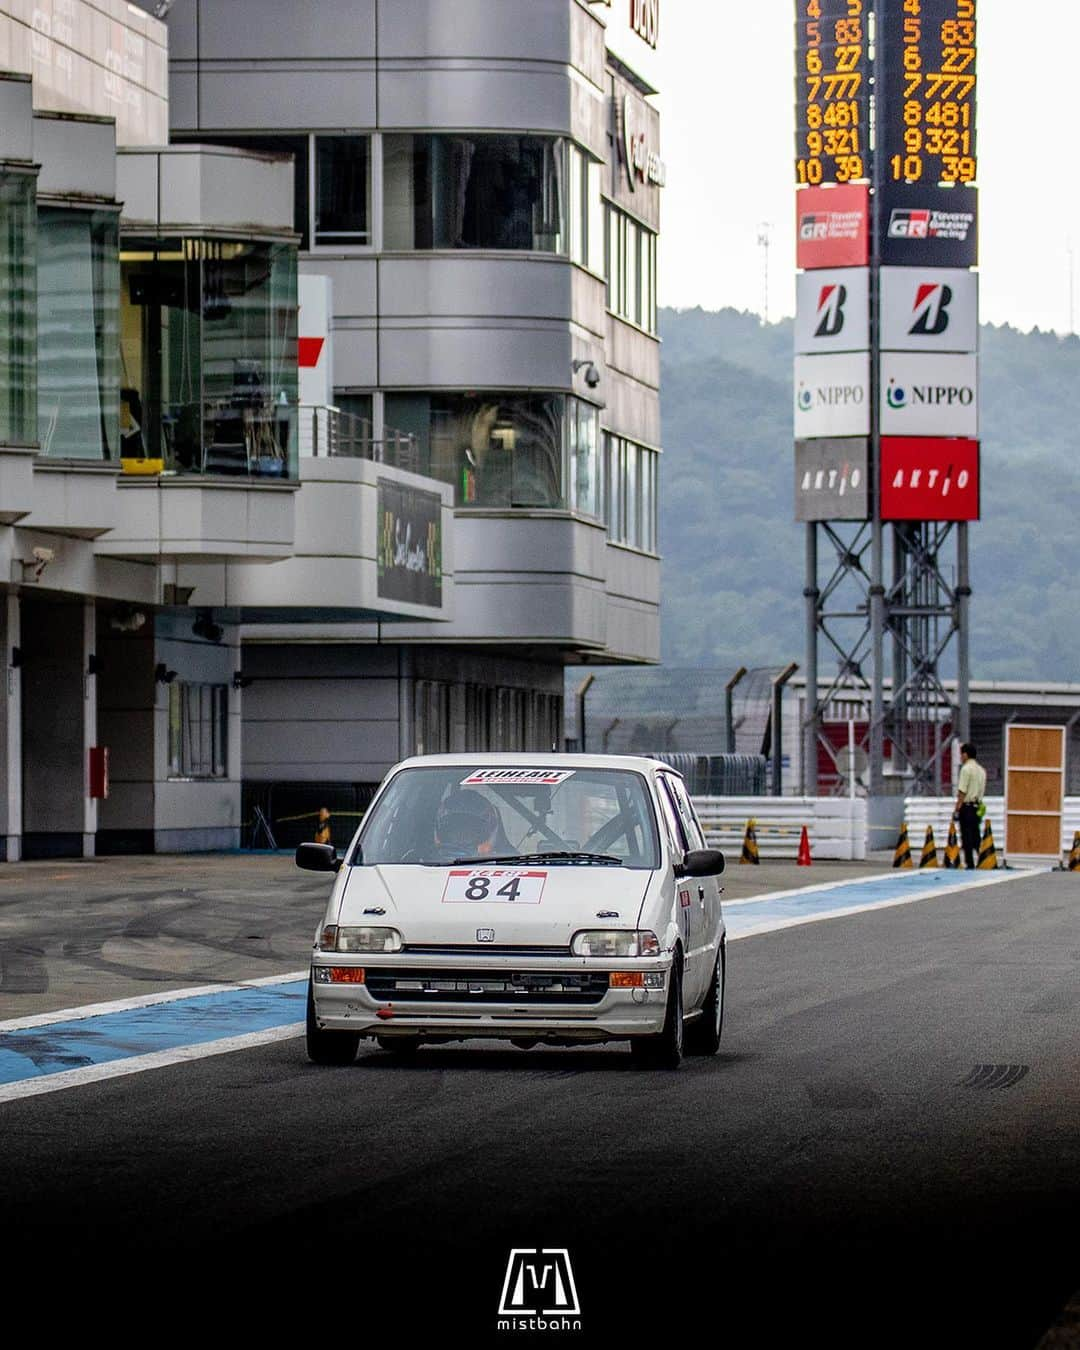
(1038, 747)
(1039, 835)
(1030, 791)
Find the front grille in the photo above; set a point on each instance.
(530, 988)
(483, 949)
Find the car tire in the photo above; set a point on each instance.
(703, 1036)
(402, 1047)
(664, 1050)
(328, 1047)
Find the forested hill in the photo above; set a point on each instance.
(733, 556)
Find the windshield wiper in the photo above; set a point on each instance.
(550, 856)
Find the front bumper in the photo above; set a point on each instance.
(475, 1005)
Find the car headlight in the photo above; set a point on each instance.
(339, 939)
(616, 942)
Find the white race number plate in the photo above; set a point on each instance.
(496, 885)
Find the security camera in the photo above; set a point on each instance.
(44, 555)
(592, 376)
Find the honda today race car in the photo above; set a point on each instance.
(562, 899)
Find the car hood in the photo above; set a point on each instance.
(435, 906)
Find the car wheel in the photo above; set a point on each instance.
(328, 1047)
(703, 1036)
(404, 1047)
(664, 1050)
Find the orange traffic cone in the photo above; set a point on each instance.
(952, 848)
(750, 845)
(929, 852)
(322, 829)
(804, 859)
(902, 856)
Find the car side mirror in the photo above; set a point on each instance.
(317, 857)
(701, 862)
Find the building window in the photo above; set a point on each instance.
(198, 730)
(18, 312)
(630, 269)
(632, 473)
(342, 189)
(208, 347)
(586, 478)
(476, 191)
(78, 367)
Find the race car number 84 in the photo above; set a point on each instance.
(497, 885)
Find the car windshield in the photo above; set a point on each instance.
(436, 816)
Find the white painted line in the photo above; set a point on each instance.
(774, 925)
(118, 1068)
(144, 1001)
(901, 875)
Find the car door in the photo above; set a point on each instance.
(707, 889)
(690, 902)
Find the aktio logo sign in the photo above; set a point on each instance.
(833, 226)
(539, 1293)
(832, 395)
(832, 311)
(929, 309)
(929, 478)
(832, 479)
(929, 226)
(929, 395)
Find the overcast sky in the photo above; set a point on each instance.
(727, 127)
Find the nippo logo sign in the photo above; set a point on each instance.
(832, 395)
(929, 309)
(929, 478)
(929, 395)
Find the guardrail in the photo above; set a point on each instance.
(836, 825)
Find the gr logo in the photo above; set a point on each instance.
(931, 310)
(830, 311)
(539, 1282)
(909, 224)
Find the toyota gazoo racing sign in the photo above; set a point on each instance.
(929, 226)
(929, 395)
(832, 395)
(929, 478)
(833, 310)
(926, 309)
(832, 226)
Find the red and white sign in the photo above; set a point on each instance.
(832, 312)
(314, 344)
(517, 777)
(929, 478)
(494, 885)
(929, 309)
(832, 226)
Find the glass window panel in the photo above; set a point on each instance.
(77, 334)
(585, 468)
(18, 311)
(342, 189)
(498, 450)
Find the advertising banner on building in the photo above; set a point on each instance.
(929, 395)
(832, 395)
(832, 479)
(929, 478)
(832, 312)
(929, 226)
(410, 544)
(832, 226)
(929, 309)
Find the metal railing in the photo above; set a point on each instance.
(327, 431)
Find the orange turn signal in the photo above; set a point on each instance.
(627, 979)
(346, 974)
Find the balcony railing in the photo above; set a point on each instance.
(327, 431)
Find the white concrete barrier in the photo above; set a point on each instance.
(836, 825)
(937, 812)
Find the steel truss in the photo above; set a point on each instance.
(921, 616)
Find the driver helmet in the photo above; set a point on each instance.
(467, 821)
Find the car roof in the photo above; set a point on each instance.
(555, 760)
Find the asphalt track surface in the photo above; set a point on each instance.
(886, 1151)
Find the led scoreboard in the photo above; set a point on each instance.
(927, 104)
(832, 91)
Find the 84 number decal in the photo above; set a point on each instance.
(500, 885)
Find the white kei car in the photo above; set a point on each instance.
(555, 899)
